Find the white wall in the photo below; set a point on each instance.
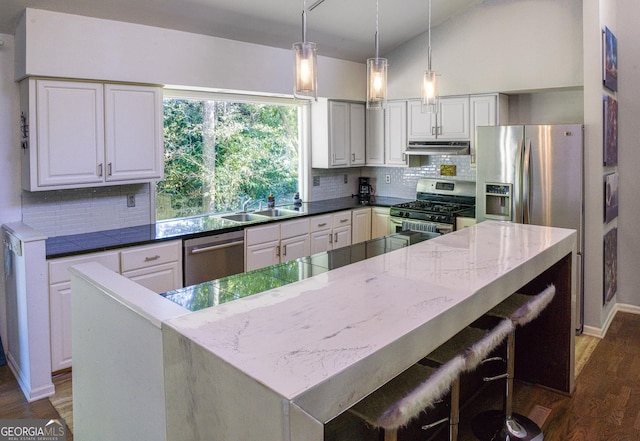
(72, 46)
(497, 46)
(628, 34)
(9, 155)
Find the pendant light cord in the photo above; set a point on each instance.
(304, 21)
(429, 48)
(377, 38)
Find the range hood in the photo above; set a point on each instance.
(424, 148)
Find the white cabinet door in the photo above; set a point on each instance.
(294, 248)
(320, 241)
(375, 137)
(379, 222)
(395, 141)
(341, 236)
(339, 133)
(262, 255)
(158, 278)
(357, 134)
(361, 225)
(60, 325)
(420, 125)
(133, 132)
(69, 121)
(453, 119)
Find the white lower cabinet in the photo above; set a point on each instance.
(157, 267)
(330, 231)
(274, 243)
(380, 225)
(361, 225)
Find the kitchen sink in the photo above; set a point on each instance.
(243, 217)
(276, 212)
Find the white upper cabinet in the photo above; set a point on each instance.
(487, 110)
(84, 134)
(375, 139)
(451, 121)
(134, 132)
(338, 134)
(395, 141)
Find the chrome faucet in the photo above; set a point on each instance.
(245, 204)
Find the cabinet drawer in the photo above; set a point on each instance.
(150, 255)
(294, 228)
(341, 219)
(267, 233)
(59, 268)
(160, 278)
(319, 223)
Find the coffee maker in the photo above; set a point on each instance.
(365, 190)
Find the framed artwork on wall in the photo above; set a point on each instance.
(610, 260)
(610, 147)
(610, 60)
(610, 197)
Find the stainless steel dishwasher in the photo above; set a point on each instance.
(212, 257)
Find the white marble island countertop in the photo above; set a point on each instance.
(325, 342)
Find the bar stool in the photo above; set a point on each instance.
(420, 387)
(506, 425)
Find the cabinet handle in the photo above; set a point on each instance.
(100, 169)
(353, 157)
(433, 130)
(330, 238)
(344, 220)
(335, 238)
(278, 251)
(109, 169)
(152, 258)
(322, 224)
(284, 250)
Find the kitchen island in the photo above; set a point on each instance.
(281, 364)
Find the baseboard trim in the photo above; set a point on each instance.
(618, 307)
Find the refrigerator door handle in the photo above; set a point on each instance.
(517, 185)
(526, 183)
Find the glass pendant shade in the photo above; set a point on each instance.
(305, 71)
(430, 92)
(376, 83)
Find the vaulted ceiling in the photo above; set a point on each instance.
(342, 29)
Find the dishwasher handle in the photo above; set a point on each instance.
(217, 247)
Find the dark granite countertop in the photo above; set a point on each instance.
(216, 292)
(186, 228)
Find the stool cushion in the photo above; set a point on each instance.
(485, 345)
(374, 405)
(422, 397)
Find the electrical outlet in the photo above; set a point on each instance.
(131, 200)
(387, 179)
(316, 181)
(346, 178)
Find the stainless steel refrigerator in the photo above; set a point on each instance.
(533, 174)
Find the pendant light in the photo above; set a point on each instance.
(377, 76)
(305, 72)
(430, 96)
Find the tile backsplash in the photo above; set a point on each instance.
(402, 183)
(85, 210)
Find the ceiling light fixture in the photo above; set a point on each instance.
(377, 76)
(305, 72)
(430, 96)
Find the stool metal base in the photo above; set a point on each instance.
(492, 425)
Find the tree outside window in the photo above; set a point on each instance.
(219, 153)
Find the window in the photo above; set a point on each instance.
(221, 151)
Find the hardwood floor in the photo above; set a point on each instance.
(13, 404)
(604, 407)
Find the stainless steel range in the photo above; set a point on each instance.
(437, 206)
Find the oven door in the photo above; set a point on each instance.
(399, 224)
